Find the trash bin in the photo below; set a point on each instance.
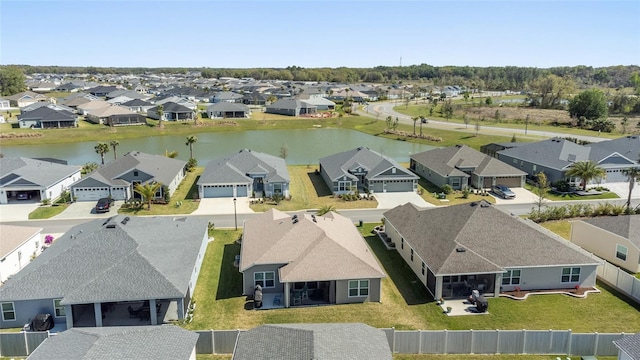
(360, 222)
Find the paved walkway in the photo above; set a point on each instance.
(220, 206)
(391, 200)
(460, 307)
(87, 210)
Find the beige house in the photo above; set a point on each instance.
(307, 259)
(18, 246)
(615, 239)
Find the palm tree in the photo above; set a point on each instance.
(160, 111)
(633, 175)
(171, 154)
(101, 149)
(422, 121)
(114, 144)
(415, 120)
(147, 191)
(324, 209)
(190, 141)
(586, 171)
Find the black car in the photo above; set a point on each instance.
(104, 205)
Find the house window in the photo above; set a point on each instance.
(358, 288)
(401, 243)
(8, 312)
(534, 167)
(58, 309)
(266, 279)
(571, 274)
(135, 173)
(423, 266)
(393, 170)
(621, 252)
(515, 161)
(511, 277)
(411, 255)
(344, 185)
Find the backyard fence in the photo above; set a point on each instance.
(621, 280)
(535, 342)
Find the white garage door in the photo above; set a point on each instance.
(216, 191)
(241, 190)
(90, 194)
(615, 176)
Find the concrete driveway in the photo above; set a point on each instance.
(221, 206)
(392, 199)
(622, 189)
(17, 211)
(86, 210)
(523, 196)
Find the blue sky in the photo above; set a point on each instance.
(319, 33)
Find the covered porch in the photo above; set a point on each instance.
(125, 313)
(309, 293)
(460, 286)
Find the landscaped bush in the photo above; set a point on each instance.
(447, 189)
(577, 210)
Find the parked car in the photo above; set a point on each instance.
(23, 195)
(503, 191)
(104, 205)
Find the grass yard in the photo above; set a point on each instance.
(568, 197)
(454, 198)
(181, 202)
(405, 304)
(309, 191)
(47, 211)
(560, 227)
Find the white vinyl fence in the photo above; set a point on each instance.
(620, 279)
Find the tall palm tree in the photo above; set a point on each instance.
(586, 171)
(633, 175)
(114, 144)
(324, 209)
(190, 141)
(415, 120)
(160, 111)
(422, 121)
(101, 148)
(147, 191)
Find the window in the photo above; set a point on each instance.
(511, 277)
(401, 243)
(135, 173)
(358, 288)
(393, 170)
(621, 252)
(265, 279)
(571, 274)
(534, 167)
(423, 266)
(411, 255)
(59, 309)
(8, 312)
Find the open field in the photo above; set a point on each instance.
(405, 304)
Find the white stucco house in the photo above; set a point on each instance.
(18, 245)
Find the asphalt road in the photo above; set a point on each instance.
(381, 110)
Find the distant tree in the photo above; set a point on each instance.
(394, 126)
(466, 95)
(496, 115)
(89, 167)
(514, 138)
(12, 80)
(447, 109)
(415, 120)
(590, 105)
(284, 151)
(389, 122)
(422, 121)
(171, 154)
(488, 101)
(324, 209)
(547, 91)
(586, 171)
(465, 118)
(190, 141)
(477, 126)
(542, 188)
(147, 191)
(160, 111)
(114, 144)
(624, 123)
(633, 176)
(101, 149)
(635, 82)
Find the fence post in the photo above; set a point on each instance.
(26, 343)
(473, 352)
(524, 340)
(498, 342)
(393, 328)
(550, 341)
(595, 348)
(446, 341)
(213, 341)
(419, 341)
(569, 342)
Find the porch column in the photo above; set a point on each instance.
(438, 293)
(286, 295)
(97, 309)
(152, 312)
(497, 285)
(180, 308)
(68, 311)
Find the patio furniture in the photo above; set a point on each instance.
(276, 300)
(297, 298)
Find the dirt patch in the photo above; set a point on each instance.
(518, 115)
(13, 135)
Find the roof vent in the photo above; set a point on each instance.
(294, 217)
(111, 226)
(461, 250)
(295, 221)
(125, 220)
(313, 217)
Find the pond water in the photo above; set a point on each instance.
(304, 146)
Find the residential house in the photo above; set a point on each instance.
(5, 104)
(291, 107)
(47, 118)
(224, 110)
(320, 103)
(137, 105)
(101, 90)
(308, 259)
(18, 245)
(133, 342)
(626, 146)
(171, 112)
(40, 104)
(25, 98)
(69, 87)
(313, 341)
(129, 94)
(118, 178)
(615, 239)
(555, 156)
(178, 100)
(245, 173)
(492, 149)
(115, 116)
(111, 272)
(41, 86)
(367, 171)
(88, 107)
(226, 96)
(628, 347)
(41, 180)
(254, 98)
(461, 166)
(455, 249)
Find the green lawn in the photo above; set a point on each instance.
(405, 304)
(487, 357)
(181, 202)
(560, 227)
(47, 211)
(454, 198)
(567, 197)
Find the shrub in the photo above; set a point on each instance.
(447, 189)
(191, 164)
(465, 193)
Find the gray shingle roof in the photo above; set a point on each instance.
(107, 343)
(627, 226)
(160, 168)
(493, 239)
(628, 146)
(227, 106)
(146, 258)
(630, 345)
(448, 161)
(338, 165)
(33, 172)
(170, 106)
(45, 113)
(235, 167)
(313, 341)
(316, 248)
(290, 103)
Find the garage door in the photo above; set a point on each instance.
(615, 176)
(399, 186)
(512, 181)
(241, 190)
(90, 194)
(216, 191)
